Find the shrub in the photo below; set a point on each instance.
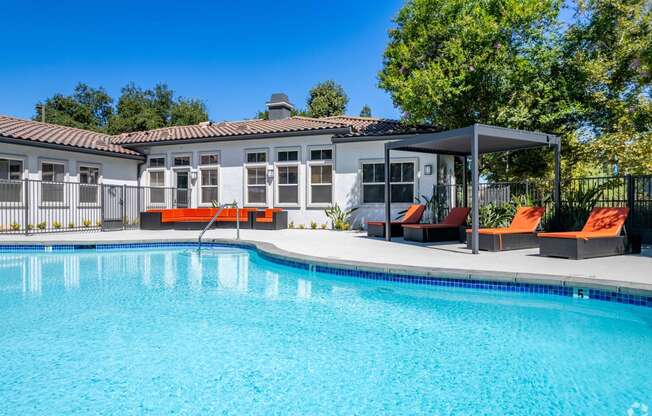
(71, 225)
(291, 224)
(56, 224)
(87, 223)
(15, 226)
(98, 223)
(323, 226)
(339, 217)
(42, 225)
(302, 227)
(313, 225)
(30, 227)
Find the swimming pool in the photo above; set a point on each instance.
(167, 330)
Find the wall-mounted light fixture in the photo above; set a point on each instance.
(270, 172)
(193, 175)
(427, 170)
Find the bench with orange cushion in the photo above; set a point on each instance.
(193, 218)
(520, 234)
(412, 216)
(271, 219)
(447, 230)
(600, 237)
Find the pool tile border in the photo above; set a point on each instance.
(454, 278)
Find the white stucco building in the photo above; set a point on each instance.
(300, 164)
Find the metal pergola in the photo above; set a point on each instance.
(471, 141)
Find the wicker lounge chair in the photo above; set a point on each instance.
(447, 230)
(600, 237)
(520, 234)
(412, 216)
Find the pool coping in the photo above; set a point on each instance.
(502, 277)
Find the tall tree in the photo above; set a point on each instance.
(453, 63)
(86, 108)
(327, 99)
(140, 109)
(609, 50)
(366, 111)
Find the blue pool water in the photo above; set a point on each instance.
(167, 331)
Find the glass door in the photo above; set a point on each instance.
(182, 189)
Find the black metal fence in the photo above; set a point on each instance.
(34, 206)
(497, 201)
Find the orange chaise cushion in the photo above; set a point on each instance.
(268, 215)
(602, 222)
(456, 217)
(526, 220)
(413, 214)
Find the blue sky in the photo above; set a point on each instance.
(231, 54)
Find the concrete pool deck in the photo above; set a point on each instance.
(630, 273)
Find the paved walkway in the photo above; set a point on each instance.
(635, 270)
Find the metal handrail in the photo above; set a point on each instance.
(219, 211)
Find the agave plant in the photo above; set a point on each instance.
(339, 217)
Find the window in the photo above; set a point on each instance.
(208, 159)
(321, 154)
(256, 185)
(257, 157)
(182, 160)
(320, 174)
(52, 172)
(287, 156)
(88, 178)
(157, 162)
(288, 184)
(401, 182)
(321, 184)
(208, 185)
(11, 171)
(157, 184)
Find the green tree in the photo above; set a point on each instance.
(326, 99)
(139, 110)
(188, 111)
(87, 108)
(366, 111)
(453, 63)
(609, 51)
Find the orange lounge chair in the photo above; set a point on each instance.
(600, 237)
(447, 230)
(520, 234)
(412, 216)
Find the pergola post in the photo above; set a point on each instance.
(388, 202)
(475, 178)
(465, 190)
(557, 190)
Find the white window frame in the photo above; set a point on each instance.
(99, 181)
(157, 156)
(309, 164)
(23, 173)
(64, 199)
(415, 183)
(284, 164)
(181, 167)
(210, 166)
(249, 165)
(150, 169)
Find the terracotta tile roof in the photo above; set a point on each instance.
(371, 126)
(34, 131)
(229, 129)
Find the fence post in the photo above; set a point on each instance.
(102, 205)
(631, 195)
(26, 206)
(124, 206)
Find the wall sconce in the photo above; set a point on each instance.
(193, 175)
(270, 172)
(427, 170)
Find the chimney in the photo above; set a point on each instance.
(279, 106)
